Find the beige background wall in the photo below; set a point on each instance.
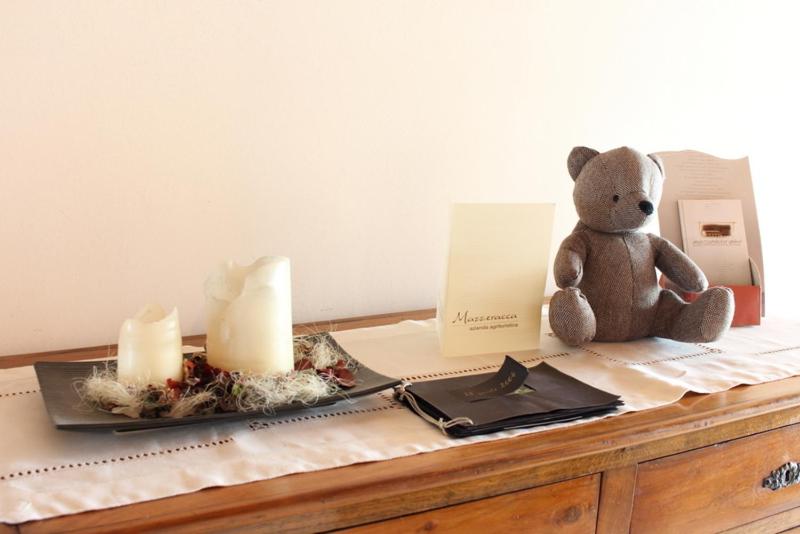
(143, 142)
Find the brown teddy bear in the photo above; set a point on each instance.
(606, 268)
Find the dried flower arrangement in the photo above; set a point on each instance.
(321, 370)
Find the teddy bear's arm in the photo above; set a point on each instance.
(677, 266)
(568, 267)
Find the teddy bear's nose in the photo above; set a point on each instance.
(646, 207)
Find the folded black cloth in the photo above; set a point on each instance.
(513, 397)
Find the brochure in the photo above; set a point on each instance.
(692, 175)
(714, 237)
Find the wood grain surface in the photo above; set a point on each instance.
(616, 500)
(366, 493)
(716, 487)
(566, 507)
(781, 522)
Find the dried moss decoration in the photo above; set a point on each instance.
(320, 371)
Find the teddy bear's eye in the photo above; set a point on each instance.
(615, 198)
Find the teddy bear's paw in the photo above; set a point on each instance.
(571, 317)
(718, 313)
(705, 319)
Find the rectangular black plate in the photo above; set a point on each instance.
(57, 383)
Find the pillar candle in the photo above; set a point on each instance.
(250, 317)
(149, 349)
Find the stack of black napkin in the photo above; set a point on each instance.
(513, 397)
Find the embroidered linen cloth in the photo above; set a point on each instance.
(45, 472)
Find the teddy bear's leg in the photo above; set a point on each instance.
(701, 321)
(571, 317)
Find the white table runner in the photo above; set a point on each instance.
(45, 472)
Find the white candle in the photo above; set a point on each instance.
(149, 349)
(250, 317)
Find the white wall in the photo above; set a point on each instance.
(142, 142)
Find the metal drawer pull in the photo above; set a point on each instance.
(786, 475)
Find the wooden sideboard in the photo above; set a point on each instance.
(693, 466)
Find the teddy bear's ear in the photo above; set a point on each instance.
(578, 157)
(659, 163)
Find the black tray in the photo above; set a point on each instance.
(67, 411)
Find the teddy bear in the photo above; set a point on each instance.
(606, 268)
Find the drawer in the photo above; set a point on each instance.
(566, 507)
(717, 487)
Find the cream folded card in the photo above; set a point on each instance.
(496, 272)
